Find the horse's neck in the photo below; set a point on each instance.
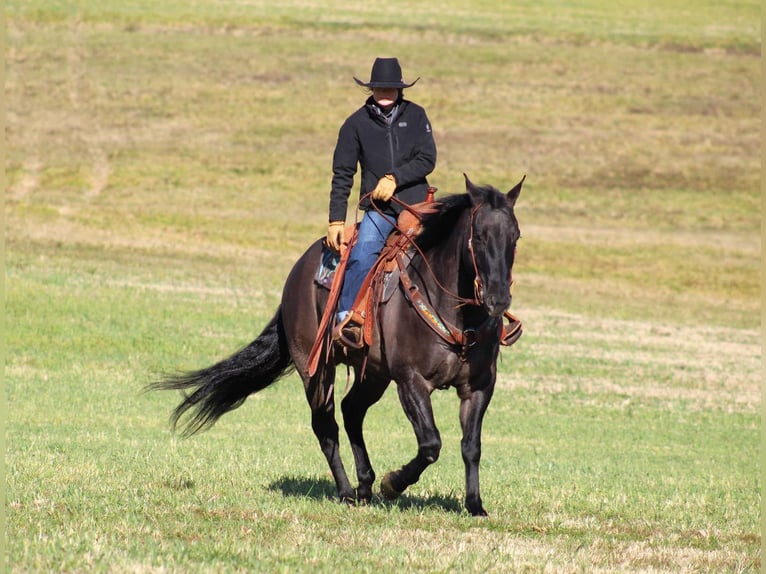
(449, 268)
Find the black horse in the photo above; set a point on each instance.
(460, 274)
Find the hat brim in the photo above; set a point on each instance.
(384, 84)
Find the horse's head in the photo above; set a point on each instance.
(492, 243)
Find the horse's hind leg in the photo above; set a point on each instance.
(415, 397)
(360, 398)
(321, 397)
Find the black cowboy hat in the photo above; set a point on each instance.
(386, 73)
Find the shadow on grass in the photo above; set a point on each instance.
(324, 489)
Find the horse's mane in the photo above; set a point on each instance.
(437, 225)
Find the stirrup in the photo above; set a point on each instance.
(512, 331)
(349, 333)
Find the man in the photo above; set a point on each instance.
(391, 139)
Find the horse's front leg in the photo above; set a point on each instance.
(473, 405)
(415, 397)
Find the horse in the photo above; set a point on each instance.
(460, 271)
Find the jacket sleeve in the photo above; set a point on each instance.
(344, 162)
(423, 159)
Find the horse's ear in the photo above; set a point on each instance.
(473, 191)
(513, 195)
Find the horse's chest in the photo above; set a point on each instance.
(450, 372)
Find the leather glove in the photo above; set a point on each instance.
(385, 188)
(335, 235)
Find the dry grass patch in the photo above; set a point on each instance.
(704, 367)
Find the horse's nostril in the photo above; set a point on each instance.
(496, 306)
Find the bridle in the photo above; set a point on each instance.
(477, 284)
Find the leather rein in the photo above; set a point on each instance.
(461, 339)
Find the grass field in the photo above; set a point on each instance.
(166, 163)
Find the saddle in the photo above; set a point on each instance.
(381, 280)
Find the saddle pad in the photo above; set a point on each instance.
(390, 284)
(327, 267)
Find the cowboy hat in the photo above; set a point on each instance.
(386, 73)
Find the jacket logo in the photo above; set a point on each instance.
(402, 124)
(428, 128)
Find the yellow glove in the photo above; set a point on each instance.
(335, 235)
(385, 188)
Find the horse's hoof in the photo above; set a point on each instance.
(364, 496)
(477, 510)
(387, 489)
(474, 506)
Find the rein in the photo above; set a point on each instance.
(419, 216)
(462, 339)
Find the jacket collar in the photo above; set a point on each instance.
(378, 114)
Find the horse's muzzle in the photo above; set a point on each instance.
(497, 305)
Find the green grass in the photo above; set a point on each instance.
(166, 163)
(583, 461)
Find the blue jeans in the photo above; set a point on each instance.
(373, 232)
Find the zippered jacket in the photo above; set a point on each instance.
(403, 146)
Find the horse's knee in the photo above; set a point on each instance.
(324, 425)
(471, 452)
(430, 451)
(348, 408)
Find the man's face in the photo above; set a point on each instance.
(385, 97)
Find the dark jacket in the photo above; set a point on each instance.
(405, 148)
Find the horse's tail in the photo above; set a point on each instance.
(224, 386)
